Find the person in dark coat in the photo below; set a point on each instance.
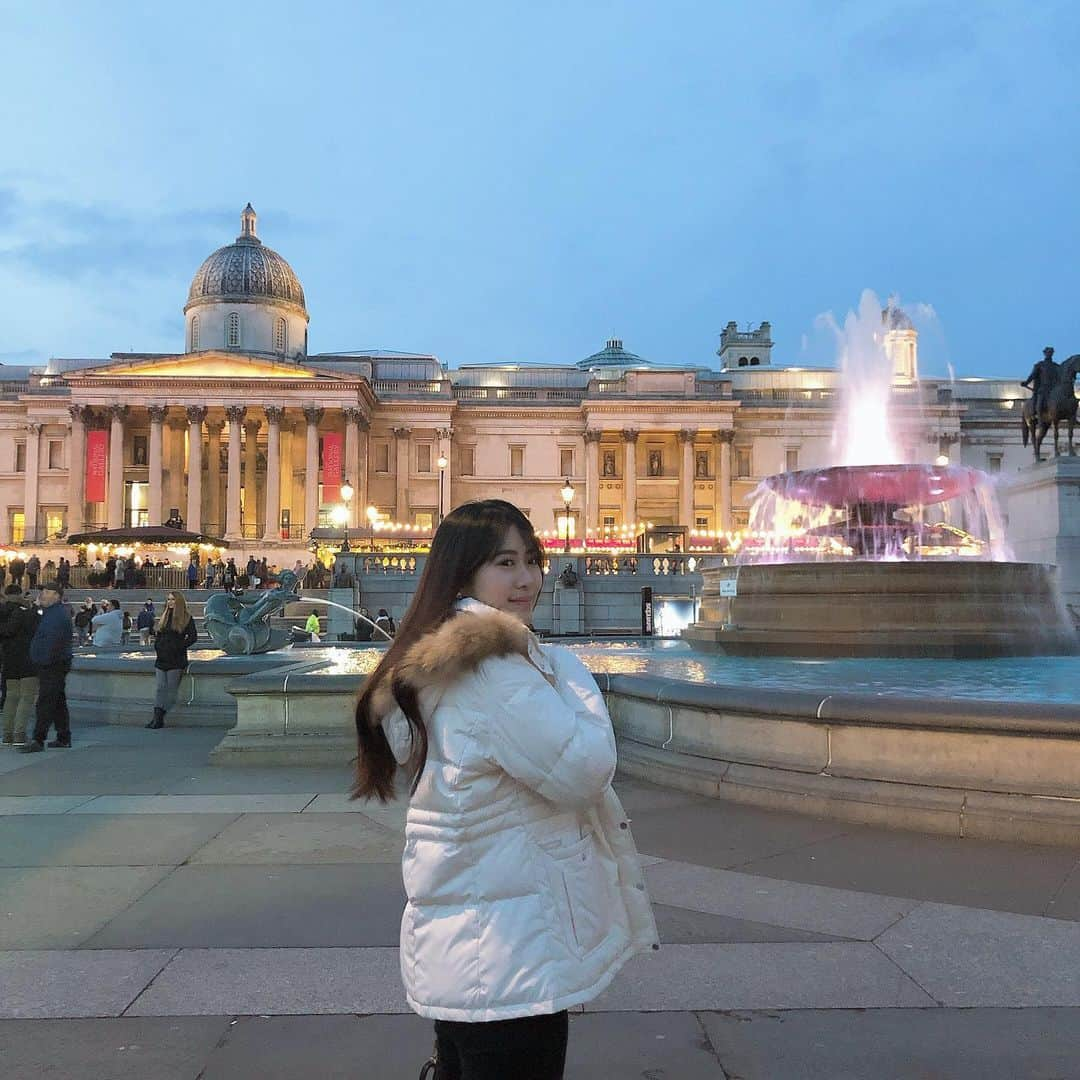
(173, 635)
(18, 623)
(33, 568)
(17, 568)
(364, 625)
(50, 653)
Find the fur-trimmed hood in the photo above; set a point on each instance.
(470, 636)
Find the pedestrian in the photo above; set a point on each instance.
(108, 625)
(384, 621)
(365, 625)
(17, 568)
(120, 572)
(144, 622)
(210, 568)
(63, 572)
(83, 619)
(126, 625)
(524, 888)
(193, 573)
(33, 568)
(19, 620)
(312, 625)
(173, 635)
(228, 576)
(50, 653)
(131, 573)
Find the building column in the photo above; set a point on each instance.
(251, 477)
(30, 483)
(177, 427)
(235, 416)
(445, 449)
(76, 509)
(686, 477)
(592, 481)
(350, 468)
(157, 418)
(312, 416)
(272, 532)
(401, 487)
(363, 444)
(117, 413)
(722, 500)
(196, 414)
(629, 489)
(213, 475)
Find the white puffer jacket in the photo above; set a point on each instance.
(525, 892)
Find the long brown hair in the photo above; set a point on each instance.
(468, 537)
(180, 614)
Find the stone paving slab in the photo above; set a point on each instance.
(725, 835)
(201, 982)
(251, 780)
(59, 907)
(898, 1044)
(106, 840)
(966, 957)
(139, 1048)
(195, 804)
(302, 838)
(263, 906)
(834, 975)
(71, 983)
(987, 874)
(682, 926)
(40, 804)
(835, 912)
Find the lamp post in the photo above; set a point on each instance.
(372, 517)
(346, 498)
(567, 498)
(442, 463)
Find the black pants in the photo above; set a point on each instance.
(530, 1048)
(52, 710)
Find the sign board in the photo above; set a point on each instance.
(728, 587)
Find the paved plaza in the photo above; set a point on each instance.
(163, 919)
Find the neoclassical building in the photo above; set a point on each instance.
(248, 436)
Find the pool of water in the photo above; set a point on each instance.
(1045, 678)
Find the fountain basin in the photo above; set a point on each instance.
(951, 609)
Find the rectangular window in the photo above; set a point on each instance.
(56, 454)
(54, 522)
(742, 463)
(382, 457)
(609, 523)
(701, 522)
(20, 459)
(468, 461)
(993, 463)
(18, 527)
(424, 520)
(566, 461)
(423, 457)
(791, 460)
(517, 460)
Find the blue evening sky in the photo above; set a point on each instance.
(516, 182)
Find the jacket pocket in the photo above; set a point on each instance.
(582, 890)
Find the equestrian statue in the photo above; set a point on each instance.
(1052, 400)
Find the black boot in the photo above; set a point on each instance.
(159, 719)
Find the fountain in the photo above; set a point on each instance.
(878, 557)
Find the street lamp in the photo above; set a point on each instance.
(346, 497)
(442, 463)
(567, 498)
(372, 516)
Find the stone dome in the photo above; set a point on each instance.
(246, 271)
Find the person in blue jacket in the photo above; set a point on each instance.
(50, 653)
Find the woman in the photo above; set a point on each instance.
(83, 618)
(525, 892)
(174, 633)
(384, 622)
(107, 627)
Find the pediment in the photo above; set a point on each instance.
(203, 365)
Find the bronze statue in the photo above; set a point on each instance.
(1053, 399)
(241, 626)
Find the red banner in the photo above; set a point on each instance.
(332, 453)
(97, 456)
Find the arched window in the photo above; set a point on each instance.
(280, 336)
(754, 361)
(742, 361)
(194, 333)
(232, 330)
